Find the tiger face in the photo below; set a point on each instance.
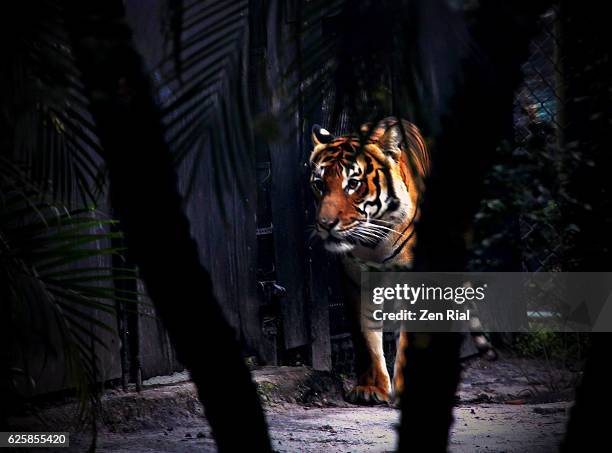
(365, 190)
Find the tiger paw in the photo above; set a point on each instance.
(368, 395)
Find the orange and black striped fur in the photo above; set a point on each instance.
(368, 193)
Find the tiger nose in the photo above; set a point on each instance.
(328, 222)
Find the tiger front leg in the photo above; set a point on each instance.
(373, 382)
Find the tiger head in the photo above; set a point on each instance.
(366, 189)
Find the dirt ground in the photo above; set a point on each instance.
(499, 428)
(504, 406)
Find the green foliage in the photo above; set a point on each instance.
(266, 390)
(47, 133)
(203, 92)
(564, 348)
(57, 298)
(520, 217)
(56, 282)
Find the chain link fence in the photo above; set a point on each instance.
(521, 195)
(519, 225)
(537, 127)
(539, 97)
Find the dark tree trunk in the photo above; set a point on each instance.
(145, 197)
(585, 56)
(590, 419)
(476, 123)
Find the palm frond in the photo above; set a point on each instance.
(47, 131)
(203, 98)
(364, 60)
(55, 265)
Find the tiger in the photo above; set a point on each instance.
(367, 188)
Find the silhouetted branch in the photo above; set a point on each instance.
(478, 118)
(586, 107)
(145, 197)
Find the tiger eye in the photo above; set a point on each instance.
(318, 185)
(353, 184)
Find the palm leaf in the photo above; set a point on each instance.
(46, 258)
(366, 60)
(50, 135)
(204, 102)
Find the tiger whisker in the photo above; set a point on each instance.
(365, 231)
(371, 233)
(361, 237)
(373, 228)
(368, 224)
(367, 228)
(379, 221)
(371, 225)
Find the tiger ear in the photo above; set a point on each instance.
(321, 136)
(392, 142)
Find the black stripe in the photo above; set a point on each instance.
(416, 211)
(399, 249)
(402, 233)
(377, 202)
